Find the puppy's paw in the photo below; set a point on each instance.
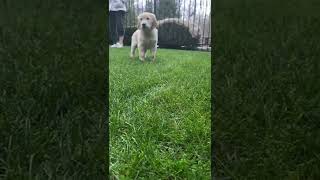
(153, 60)
(142, 59)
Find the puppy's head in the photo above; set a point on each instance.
(147, 21)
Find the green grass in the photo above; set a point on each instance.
(160, 115)
(266, 96)
(53, 91)
(266, 90)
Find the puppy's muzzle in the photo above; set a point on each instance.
(144, 25)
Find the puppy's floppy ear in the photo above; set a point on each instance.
(139, 22)
(154, 21)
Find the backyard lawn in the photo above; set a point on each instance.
(160, 115)
(266, 90)
(53, 91)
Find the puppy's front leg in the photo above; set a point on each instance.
(142, 54)
(154, 52)
(133, 50)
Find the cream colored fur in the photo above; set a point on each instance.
(145, 37)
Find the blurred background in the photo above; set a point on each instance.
(185, 24)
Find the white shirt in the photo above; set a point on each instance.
(117, 5)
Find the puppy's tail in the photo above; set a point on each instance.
(193, 29)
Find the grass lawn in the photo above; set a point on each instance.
(53, 91)
(160, 115)
(266, 94)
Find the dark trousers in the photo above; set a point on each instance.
(116, 25)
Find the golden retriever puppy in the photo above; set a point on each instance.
(146, 36)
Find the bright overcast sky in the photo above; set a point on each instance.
(203, 5)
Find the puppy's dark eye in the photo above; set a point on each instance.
(140, 19)
(147, 18)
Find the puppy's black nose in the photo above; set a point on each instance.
(143, 25)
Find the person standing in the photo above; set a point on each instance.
(117, 10)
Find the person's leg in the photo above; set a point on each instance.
(112, 27)
(120, 26)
